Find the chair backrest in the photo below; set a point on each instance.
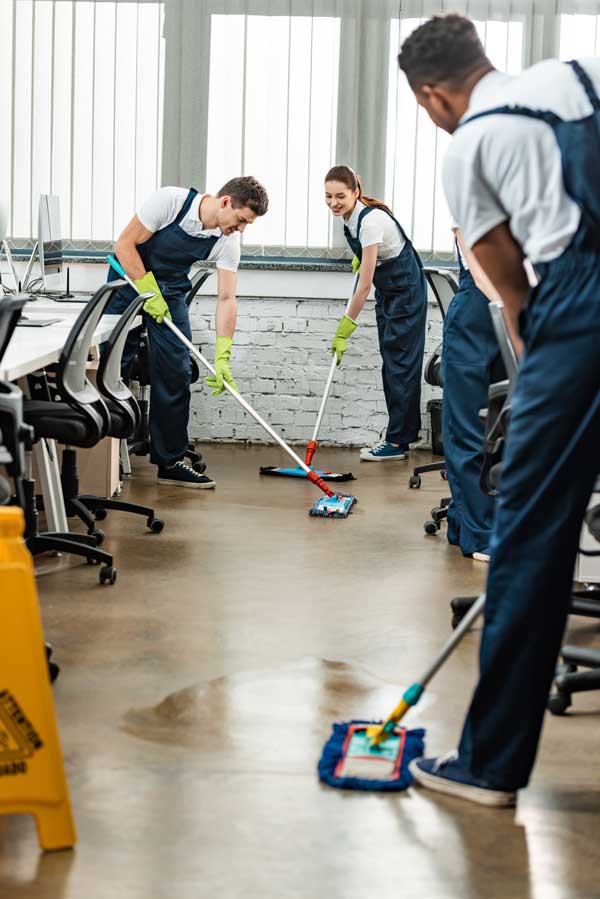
(74, 386)
(108, 379)
(197, 282)
(507, 351)
(10, 312)
(443, 286)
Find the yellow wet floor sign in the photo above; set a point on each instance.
(32, 777)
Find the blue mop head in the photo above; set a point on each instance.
(337, 506)
(351, 762)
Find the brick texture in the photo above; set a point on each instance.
(280, 361)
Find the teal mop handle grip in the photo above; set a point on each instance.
(114, 263)
(413, 694)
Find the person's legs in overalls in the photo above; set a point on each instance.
(470, 357)
(550, 466)
(401, 327)
(170, 373)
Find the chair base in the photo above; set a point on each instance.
(438, 514)
(98, 507)
(76, 545)
(414, 482)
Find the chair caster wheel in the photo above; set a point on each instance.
(444, 475)
(156, 525)
(100, 514)
(414, 482)
(431, 528)
(108, 575)
(98, 536)
(200, 467)
(558, 703)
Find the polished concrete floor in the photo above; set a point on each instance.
(196, 694)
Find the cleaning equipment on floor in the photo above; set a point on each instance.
(362, 755)
(351, 762)
(332, 505)
(311, 446)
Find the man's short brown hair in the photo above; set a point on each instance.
(246, 191)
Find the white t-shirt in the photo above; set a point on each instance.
(377, 228)
(504, 168)
(162, 208)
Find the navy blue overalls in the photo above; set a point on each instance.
(169, 254)
(401, 313)
(470, 363)
(551, 461)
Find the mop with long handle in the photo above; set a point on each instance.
(332, 505)
(311, 446)
(364, 755)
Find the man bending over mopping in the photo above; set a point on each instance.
(174, 228)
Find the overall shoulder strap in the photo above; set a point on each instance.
(586, 83)
(192, 193)
(540, 114)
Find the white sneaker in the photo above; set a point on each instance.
(481, 557)
(383, 452)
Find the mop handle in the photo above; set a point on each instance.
(331, 371)
(453, 640)
(244, 403)
(380, 732)
(325, 397)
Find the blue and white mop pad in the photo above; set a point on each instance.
(300, 473)
(337, 506)
(351, 762)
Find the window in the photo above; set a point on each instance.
(415, 147)
(86, 110)
(579, 36)
(273, 94)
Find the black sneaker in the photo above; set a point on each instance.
(182, 475)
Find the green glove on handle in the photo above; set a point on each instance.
(222, 367)
(345, 329)
(355, 264)
(156, 306)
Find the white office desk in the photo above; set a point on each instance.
(29, 350)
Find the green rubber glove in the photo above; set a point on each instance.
(355, 264)
(156, 306)
(345, 329)
(222, 367)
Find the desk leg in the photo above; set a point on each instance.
(46, 459)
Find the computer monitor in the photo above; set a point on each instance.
(50, 248)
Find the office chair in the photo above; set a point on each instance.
(569, 679)
(13, 433)
(141, 374)
(76, 417)
(443, 286)
(124, 415)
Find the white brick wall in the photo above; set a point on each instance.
(280, 361)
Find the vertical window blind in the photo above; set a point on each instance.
(82, 89)
(281, 89)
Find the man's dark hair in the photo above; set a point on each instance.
(444, 49)
(246, 191)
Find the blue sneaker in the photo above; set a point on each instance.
(383, 452)
(447, 775)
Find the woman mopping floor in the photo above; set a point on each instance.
(389, 261)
